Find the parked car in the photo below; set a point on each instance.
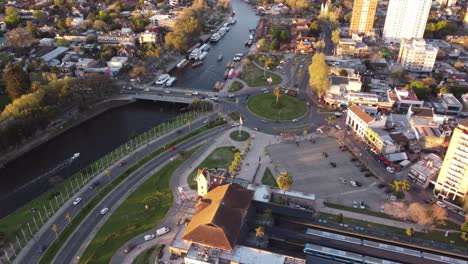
(358, 184)
(104, 210)
(343, 180)
(390, 169)
(122, 163)
(235, 124)
(94, 185)
(149, 237)
(441, 204)
(353, 183)
(343, 148)
(387, 191)
(381, 185)
(231, 96)
(338, 127)
(362, 205)
(163, 230)
(355, 205)
(77, 201)
(129, 248)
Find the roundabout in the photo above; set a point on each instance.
(287, 107)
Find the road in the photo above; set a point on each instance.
(43, 240)
(79, 239)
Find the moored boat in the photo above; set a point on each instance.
(231, 73)
(226, 72)
(197, 64)
(215, 37)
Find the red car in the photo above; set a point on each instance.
(122, 163)
(173, 148)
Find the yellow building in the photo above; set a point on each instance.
(452, 182)
(362, 20)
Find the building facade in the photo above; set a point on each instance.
(417, 56)
(452, 182)
(425, 170)
(358, 120)
(406, 19)
(362, 20)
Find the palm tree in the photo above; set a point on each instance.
(330, 120)
(259, 232)
(405, 185)
(396, 186)
(284, 181)
(277, 93)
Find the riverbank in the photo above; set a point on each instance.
(74, 119)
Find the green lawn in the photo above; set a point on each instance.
(235, 86)
(288, 107)
(147, 257)
(255, 76)
(4, 100)
(260, 59)
(220, 158)
(143, 210)
(268, 178)
(243, 136)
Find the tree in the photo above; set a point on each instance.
(277, 93)
(315, 28)
(38, 15)
(418, 213)
(267, 213)
(405, 185)
(284, 181)
(444, 89)
(437, 214)
(396, 186)
(17, 82)
(275, 44)
(318, 74)
(261, 43)
(335, 37)
(409, 231)
(464, 231)
(12, 18)
(331, 120)
(99, 25)
(138, 71)
(339, 218)
(19, 38)
(421, 89)
(459, 64)
(259, 232)
(319, 45)
(344, 73)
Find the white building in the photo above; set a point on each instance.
(406, 19)
(358, 120)
(117, 63)
(148, 37)
(416, 55)
(447, 3)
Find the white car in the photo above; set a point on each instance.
(104, 211)
(362, 205)
(390, 169)
(146, 90)
(206, 121)
(343, 180)
(353, 183)
(338, 127)
(235, 124)
(149, 237)
(167, 91)
(294, 120)
(231, 95)
(355, 205)
(77, 201)
(441, 204)
(195, 93)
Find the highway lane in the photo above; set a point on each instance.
(79, 238)
(43, 240)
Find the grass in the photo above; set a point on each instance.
(76, 220)
(254, 76)
(148, 256)
(261, 58)
(288, 107)
(360, 211)
(268, 178)
(243, 136)
(235, 86)
(220, 158)
(235, 116)
(4, 101)
(17, 220)
(143, 210)
(435, 236)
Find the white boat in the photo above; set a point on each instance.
(232, 20)
(179, 65)
(162, 79)
(251, 36)
(171, 81)
(76, 155)
(222, 31)
(204, 47)
(215, 37)
(195, 54)
(202, 55)
(226, 25)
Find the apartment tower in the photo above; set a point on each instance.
(452, 182)
(362, 20)
(406, 19)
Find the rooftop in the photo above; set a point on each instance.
(360, 113)
(429, 165)
(404, 93)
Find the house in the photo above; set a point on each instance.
(47, 42)
(425, 170)
(82, 64)
(162, 20)
(53, 54)
(148, 37)
(303, 44)
(404, 98)
(219, 216)
(340, 85)
(208, 179)
(350, 47)
(117, 63)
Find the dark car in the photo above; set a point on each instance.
(129, 248)
(94, 185)
(358, 184)
(387, 191)
(381, 185)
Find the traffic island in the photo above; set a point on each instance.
(266, 106)
(239, 136)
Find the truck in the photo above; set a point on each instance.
(161, 231)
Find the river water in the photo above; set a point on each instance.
(205, 77)
(107, 131)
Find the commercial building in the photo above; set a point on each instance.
(358, 120)
(351, 47)
(117, 63)
(406, 19)
(452, 182)
(148, 37)
(425, 170)
(362, 20)
(447, 3)
(403, 98)
(417, 56)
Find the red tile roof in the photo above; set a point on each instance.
(361, 114)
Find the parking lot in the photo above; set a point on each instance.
(313, 172)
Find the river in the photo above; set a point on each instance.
(107, 131)
(205, 77)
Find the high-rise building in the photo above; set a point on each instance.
(362, 20)
(447, 3)
(417, 56)
(452, 182)
(406, 19)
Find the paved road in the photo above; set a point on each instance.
(33, 253)
(80, 238)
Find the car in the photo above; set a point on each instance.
(129, 248)
(264, 89)
(390, 169)
(122, 163)
(255, 128)
(441, 204)
(343, 148)
(264, 121)
(265, 92)
(381, 185)
(343, 180)
(104, 210)
(77, 201)
(231, 96)
(338, 127)
(362, 205)
(94, 185)
(294, 120)
(355, 205)
(353, 183)
(167, 92)
(188, 94)
(149, 237)
(206, 121)
(358, 184)
(195, 93)
(146, 89)
(235, 124)
(387, 191)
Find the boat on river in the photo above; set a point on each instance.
(226, 73)
(215, 37)
(197, 64)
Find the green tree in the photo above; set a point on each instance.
(421, 89)
(277, 93)
(405, 185)
(335, 38)
(12, 18)
(38, 15)
(409, 231)
(330, 120)
(275, 44)
(16, 81)
(318, 74)
(464, 231)
(284, 181)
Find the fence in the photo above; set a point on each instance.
(72, 185)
